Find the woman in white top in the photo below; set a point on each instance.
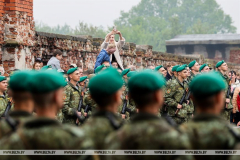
(234, 82)
(110, 38)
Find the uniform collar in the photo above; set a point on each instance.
(38, 122)
(143, 116)
(18, 113)
(206, 117)
(182, 84)
(74, 87)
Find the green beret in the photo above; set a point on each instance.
(158, 67)
(2, 78)
(125, 71)
(105, 83)
(185, 65)
(82, 78)
(46, 81)
(191, 64)
(20, 81)
(71, 70)
(46, 67)
(99, 68)
(181, 68)
(131, 73)
(202, 66)
(207, 84)
(220, 63)
(174, 68)
(146, 81)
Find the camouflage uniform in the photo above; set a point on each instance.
(99, 126)
(45, 134)
(18, 116)
(131, 107)
(88, 101)
(72, 97)
(191, 77)
(227, 111)
(210, 132)
(3, 103)
(147, 132)
(173, 95)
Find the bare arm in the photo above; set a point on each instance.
(234, 100)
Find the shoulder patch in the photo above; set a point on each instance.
(168, 91)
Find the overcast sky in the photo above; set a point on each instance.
(102, 12)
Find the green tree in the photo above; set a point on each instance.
(88, 29)
(154, 21)
(81, 29)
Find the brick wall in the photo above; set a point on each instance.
(16, 33)
(235, 55)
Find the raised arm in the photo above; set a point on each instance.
(106, 41)
(121, 41)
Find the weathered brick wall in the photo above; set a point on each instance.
(16, 34)
(20, 44)
(83, 51)
(235, 55)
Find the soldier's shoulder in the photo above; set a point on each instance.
(74, 131)
(68, 87)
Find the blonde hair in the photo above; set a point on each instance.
(111, 46)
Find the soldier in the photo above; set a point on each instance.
(207, 130)
(3, 96)
(174, 70)
(222, 68)
(23, 103)
(72, 97)
(89, 103)
(124, 75)
(175, 97)
(204, 68)
(146, 131)
(105, 89)
(82, 82)
(160, 69)
(194, 66)
(43, 131)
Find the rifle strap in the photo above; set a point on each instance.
(113, 122)
(234, 133)
(12, 123)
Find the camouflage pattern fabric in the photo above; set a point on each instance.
(3, 103)
(173, 95)
(99, 126)
(131, 107)
(210, 132)
(59, 116)
(147, 132)
(87, 100)
(18, 116)
(72, 97)
(47, 134)
(189, 79)
(227, 110)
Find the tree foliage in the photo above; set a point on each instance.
(81, 29)
(154, 21)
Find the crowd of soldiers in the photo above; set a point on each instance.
(180, 107)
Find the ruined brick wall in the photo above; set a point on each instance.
(16, 34)
(83, 51)
(235, 55)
